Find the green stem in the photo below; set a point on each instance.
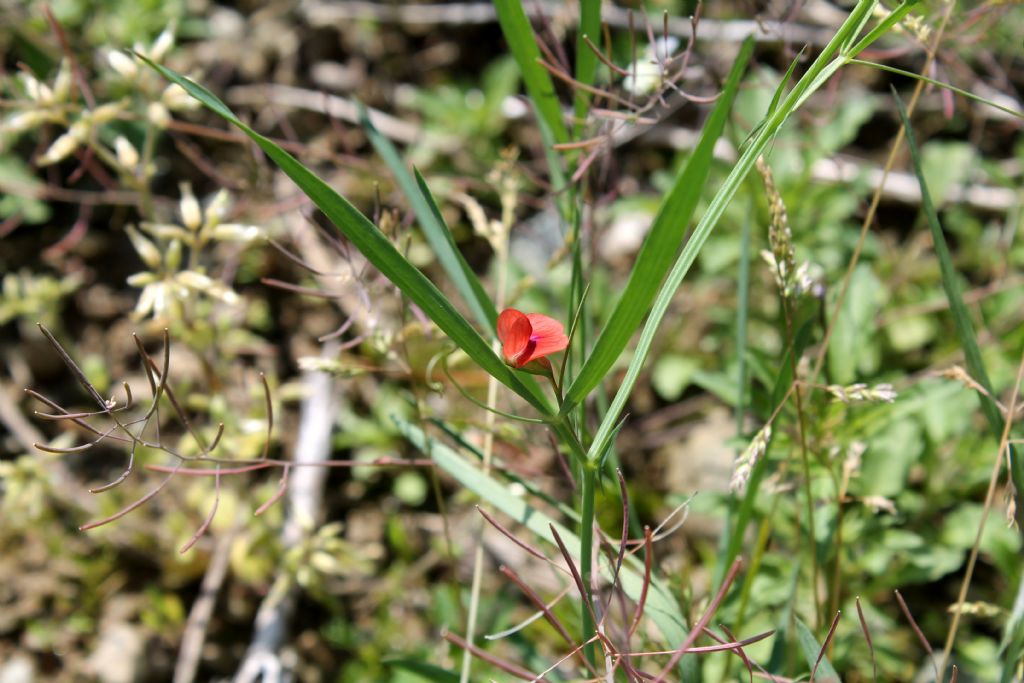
(145, 192)
(586, 554)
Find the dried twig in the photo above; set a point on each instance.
(202, 610)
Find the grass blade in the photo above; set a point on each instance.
(961, 318)
(375, 246)
(423, 669)
(660, 606)
(1012, 645)
(434, 228)
(825, 673)
(660, 246)
(586, 60)
(818, 73)
(523, 45)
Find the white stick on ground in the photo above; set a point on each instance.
(263, 661)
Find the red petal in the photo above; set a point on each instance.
(547, 333)
(514, 334)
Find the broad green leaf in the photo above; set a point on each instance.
(21, 189)
(660, 246)
(960, 528)
(375, 246)
(853, 345)
(889, 457)
(434, 228)
(947, 165)
(781, 642)
(843, 129)
(661, 606)
(671, 375)
(812, 649)
(911, 332)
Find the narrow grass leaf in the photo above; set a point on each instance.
(422, 669)
(523, 44)
(661, 607)
(781, 647)
(375, 246)
(586, 60)
(434, 228)
(660, 246)
(819, 72)
(941, 84)
(1012, 645)
(961, 318)
(812, 651)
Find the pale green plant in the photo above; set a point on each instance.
(173, 279)
(27, 296)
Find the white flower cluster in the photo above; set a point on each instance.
(165, 286)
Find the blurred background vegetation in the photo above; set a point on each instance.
(158, 216)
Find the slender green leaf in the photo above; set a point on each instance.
(586, 60)
(742, 315)
(1012, 645)
(523, 44)
(886, 25)
(812, 651)
(941, 84)
(425, 670)
(375, 246)
(786, 78)
(819, 72)
(1015, 622)
(784, 621)
(660, 246)
(1011, 660)
(661, 607)
(434, 228)
(961, 318)
(476, 287)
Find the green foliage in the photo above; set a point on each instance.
(855, 461)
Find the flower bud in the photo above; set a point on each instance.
(141, 279)
(191, 213)
(147, 251)
(124, 65)
(147, 299)
(194, 280)
(62, 83)
(235, 232)
(22, 121)
(127, 155)
(167, 231)
(64, 146)
(105, 113)
(176, 98)
(217, 209)
(35, 89)
(173, 256)
(162, 45)
(158, 115)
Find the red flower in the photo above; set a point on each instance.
(527, 338)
